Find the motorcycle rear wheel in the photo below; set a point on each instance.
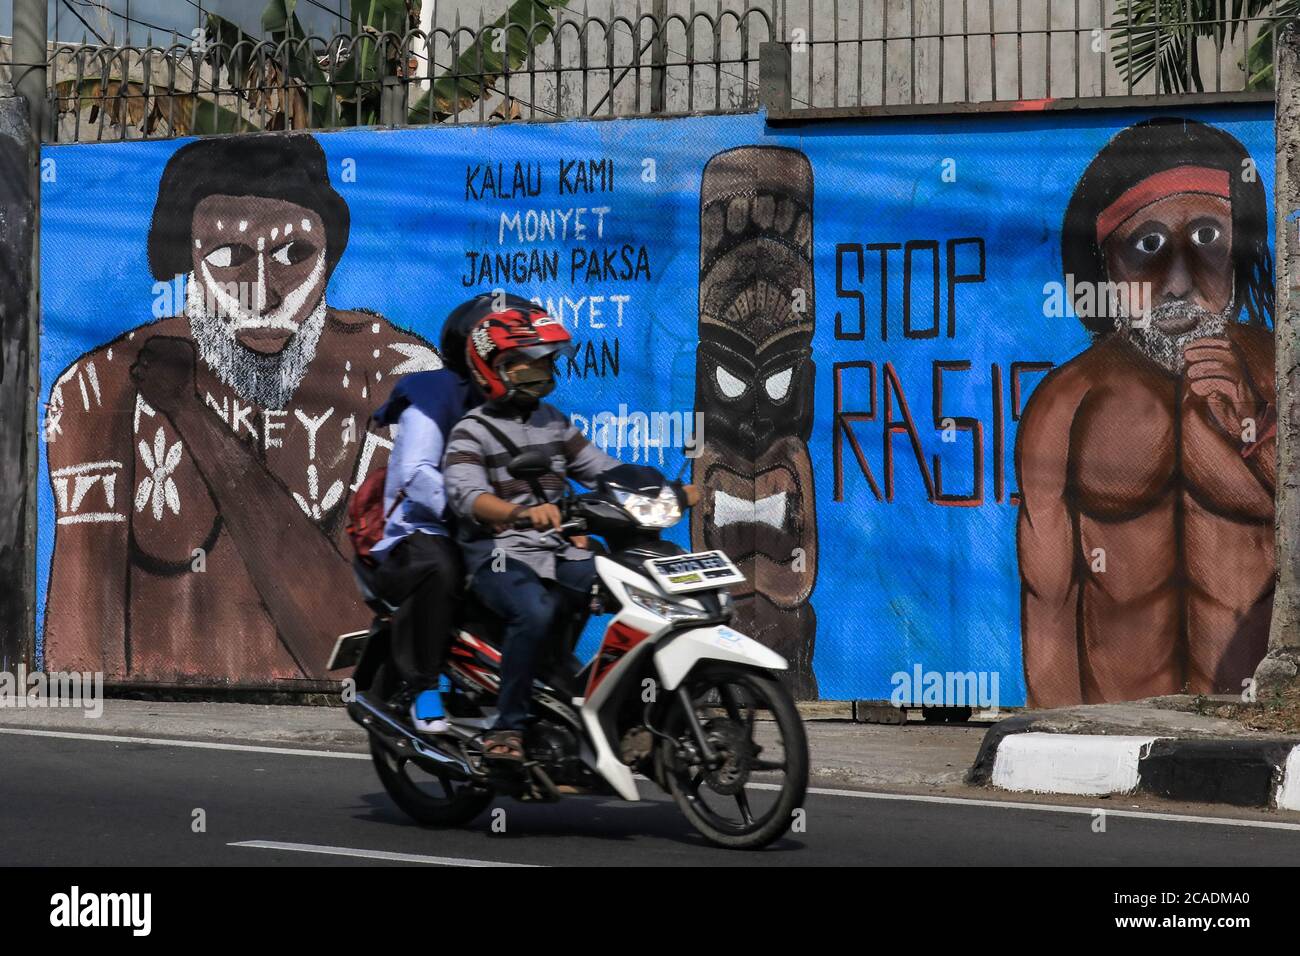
(727, 701)
(458, 805)
(430, 800)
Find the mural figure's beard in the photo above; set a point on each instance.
(1166, 348)
(268, 380)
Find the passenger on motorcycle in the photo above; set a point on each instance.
(419, 567)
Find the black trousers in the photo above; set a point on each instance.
(421, 575)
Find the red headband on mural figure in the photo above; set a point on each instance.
(1161, 185)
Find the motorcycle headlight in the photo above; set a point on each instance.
(663, 607)
(661, 511)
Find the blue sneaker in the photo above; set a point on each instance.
(427, 714)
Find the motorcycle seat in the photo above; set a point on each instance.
(479, 621)
(557, 669)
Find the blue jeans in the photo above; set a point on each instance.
(528, 606)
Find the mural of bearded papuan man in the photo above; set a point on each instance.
(200, 464)
(1147, 463)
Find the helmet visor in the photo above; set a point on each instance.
(541, 350)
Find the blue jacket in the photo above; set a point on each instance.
(424, 407)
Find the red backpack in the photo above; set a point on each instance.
(366, 515)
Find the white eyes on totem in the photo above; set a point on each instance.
(779, 384)
(730, 385)
(1205, 235)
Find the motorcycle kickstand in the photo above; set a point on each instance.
(552, 793)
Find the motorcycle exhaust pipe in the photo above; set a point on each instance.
(401, 741)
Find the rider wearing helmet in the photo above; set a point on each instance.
(527, 576)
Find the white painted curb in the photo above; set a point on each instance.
(1288, 794)
(1072, 763)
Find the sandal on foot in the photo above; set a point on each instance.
(504, 745)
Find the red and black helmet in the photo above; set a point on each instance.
(510, 327)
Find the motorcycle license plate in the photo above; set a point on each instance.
(698, 571)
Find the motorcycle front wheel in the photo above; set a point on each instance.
(754, 790)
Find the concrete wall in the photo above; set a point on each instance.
(16, 391)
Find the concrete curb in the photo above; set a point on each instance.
(1243, 773)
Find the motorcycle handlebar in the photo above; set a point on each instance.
(575, 525)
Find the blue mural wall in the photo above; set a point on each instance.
(926, 257)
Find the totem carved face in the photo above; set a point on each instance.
(754, 369)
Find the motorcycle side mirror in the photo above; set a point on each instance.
(529, 466)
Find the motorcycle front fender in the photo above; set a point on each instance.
(679, 655)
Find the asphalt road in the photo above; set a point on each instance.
(90, 802)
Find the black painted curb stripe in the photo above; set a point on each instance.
(1243, 773)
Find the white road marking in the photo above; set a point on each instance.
(196, 744)
(817, 791)
(372, 854)
(1046, 807)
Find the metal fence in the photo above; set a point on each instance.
(668, 57)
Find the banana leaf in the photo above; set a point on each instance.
(357, 77)
(125, 103)
(479, 65)
(281, 77)
(293, 82)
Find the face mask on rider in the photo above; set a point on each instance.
(532, 381)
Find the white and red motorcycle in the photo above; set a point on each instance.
(673, 693)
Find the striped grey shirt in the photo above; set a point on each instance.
(475, 462)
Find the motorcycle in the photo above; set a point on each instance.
(673, 693)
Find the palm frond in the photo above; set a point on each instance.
(1162, 36)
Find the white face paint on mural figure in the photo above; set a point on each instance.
(256, 296)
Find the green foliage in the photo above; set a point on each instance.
(1162, 35)
(302, 87)
(504, 45)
